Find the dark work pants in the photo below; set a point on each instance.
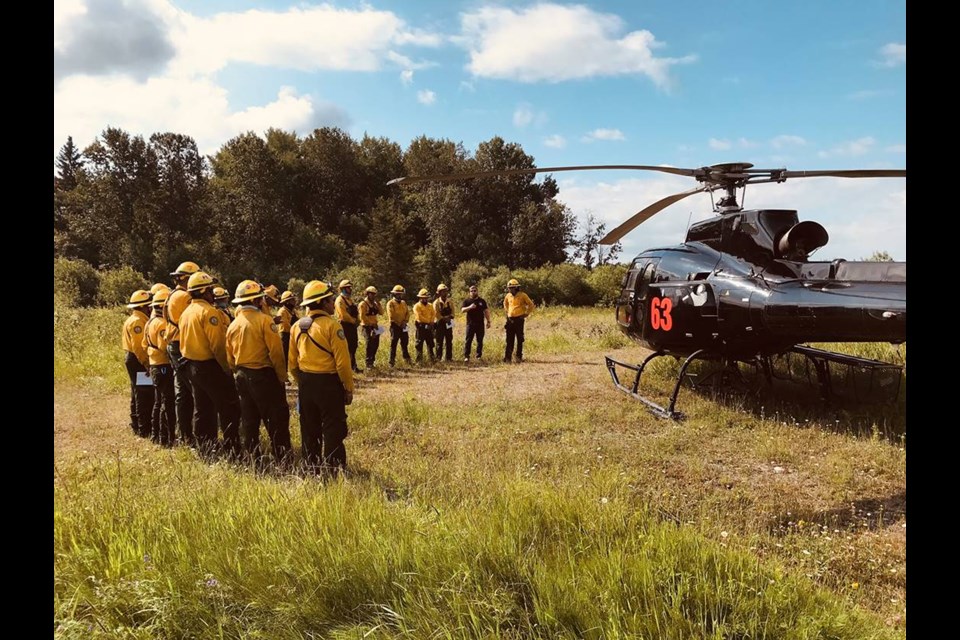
(473, 330)
(373, 343)
(262, 397)
(350, 333)
(164, 404)
(424, 335)
(323, 420)
(141, 399)
(183, 391)
(214, 394)
(514, 333)
(397, 334)
(285, 340)
(444, 336)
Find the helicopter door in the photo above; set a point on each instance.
(627, 294)
(640, 306)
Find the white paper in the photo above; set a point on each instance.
(405, 328)
(143, 380)
(381, 331)
(449, 324)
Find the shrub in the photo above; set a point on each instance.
(606, 281)
(116, 285)
(466, 274)
(75, 282)
(361, 277)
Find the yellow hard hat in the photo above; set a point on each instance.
(247, 290)
(423, 293)
(220, 292)
(272, 293)
(199, 281)
(315, 291)
(139, 298)
(441, 287)
(186, 269)
(371, 290)
(160, 297)
(398, 289)
(345, 283)
(287, 295)
(157, 287)
(513, 283)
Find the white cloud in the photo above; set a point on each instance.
(522, 115)
(467, 86)
(179, 92)
(896, 148)
(406, 76)
(744, 143)
(552, 43)
(603, 134)
(857, 147)
(893, 54)
(783, 141)
(719, 145)
(861, 216)
(426, 97)
(556, 141)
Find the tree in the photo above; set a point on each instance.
(69, 165)
(879, 256)
(588, 248)
(389, 250)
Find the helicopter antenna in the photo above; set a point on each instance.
(690, 219)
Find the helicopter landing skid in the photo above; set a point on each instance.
(633, 390)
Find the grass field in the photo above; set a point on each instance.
(489, 501)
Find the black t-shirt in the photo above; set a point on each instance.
(475, 316)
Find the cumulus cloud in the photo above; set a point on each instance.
(893, 54)
(426, 97)
(406, 76)
(857, 147)
(525, 115)
(556, 141)
(784, 141)
(552, 43)
(108, 36)
(603, 134)
(744, 143)
(719, 144)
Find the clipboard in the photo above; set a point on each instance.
(143, 379)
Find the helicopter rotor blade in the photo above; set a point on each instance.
(513, 172)
(847, 173)
(644, 214)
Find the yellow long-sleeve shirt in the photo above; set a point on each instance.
(155, 341)
(253, 342)
(176, 304)
(444, 309)
(132, 335)
(345, 309)
(322, 348)
(424, 312)
(518, 305)
(398, 312)
(202, 334)
(287, 319)
(369, 312)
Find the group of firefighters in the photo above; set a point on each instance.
(195, 363)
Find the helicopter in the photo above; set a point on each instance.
(741, 287)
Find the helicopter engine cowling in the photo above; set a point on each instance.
(801, 240)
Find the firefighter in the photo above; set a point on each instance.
(161, 373)
(221, 300)
(369, 308)
(399, 315)
(443, 307)
(157, 287)
(203, 342)
(518, 306)
(424, 316)
(141, 395)
(349, 316)
(255, 355)
(176, 303)
(320, 362)
(288, 315)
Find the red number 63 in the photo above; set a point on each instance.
(660, 317)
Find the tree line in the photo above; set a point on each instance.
(282, 206)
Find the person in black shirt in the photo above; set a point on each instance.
(477, 311)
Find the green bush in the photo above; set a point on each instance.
(467, 273)
(75, 282)
(296, 285)
(565, 284)
(494, 287)
(606, 282)
(116, 285)
(361, 277)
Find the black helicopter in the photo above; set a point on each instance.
(741, 287)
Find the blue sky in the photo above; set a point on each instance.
(813, 85)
